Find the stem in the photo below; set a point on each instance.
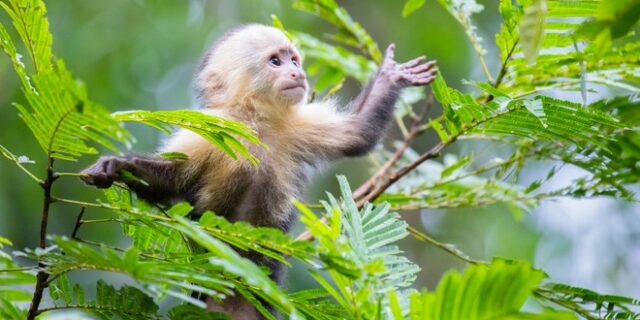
(31, 175)
(42, 275)
(371, 183)
(434, 152)
(103, 220)
(416, 129)
(79, 222)
(88, 307)
(70, 174)
(503, 70)
(446, 247)
(542, 294)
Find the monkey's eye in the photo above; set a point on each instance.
(295, 62)
(275, 61)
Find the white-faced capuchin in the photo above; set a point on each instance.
(253, 74)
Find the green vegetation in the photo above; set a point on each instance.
(350, 249)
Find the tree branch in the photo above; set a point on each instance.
(79, 222)
(444, 246)
(432, 153)
(42, 276)
(416, 128)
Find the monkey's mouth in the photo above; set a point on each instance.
(295, 86)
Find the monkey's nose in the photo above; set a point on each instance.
(296, 74)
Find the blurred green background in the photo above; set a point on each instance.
(142, 55)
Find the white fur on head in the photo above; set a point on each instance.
(233, 72)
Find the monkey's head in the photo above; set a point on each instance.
(253, 65)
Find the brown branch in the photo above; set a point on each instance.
(79, 223)
(42, 276)
(416, 126)
(432, 153)
(47, 184)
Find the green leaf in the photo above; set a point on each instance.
(59, 113)
(159, 276)
(10, 312)
(351, 32)
(509, 34)
(535, 107)
(174, 156)
(127, 302)
(411, 6)
(230, 261)
(339, 59)
(598, 305)
(531, 28)
(191, 312)
(494, 291)
(222, 133)
(620, 14)
(13, 279)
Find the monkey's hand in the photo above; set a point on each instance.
(105, 171)
(151, 177)
(416, 72)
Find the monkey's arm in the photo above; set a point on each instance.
(329, 134)
(372, 110)
(158, 177)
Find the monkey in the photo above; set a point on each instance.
(254, 74)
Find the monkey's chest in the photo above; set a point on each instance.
(259, 195)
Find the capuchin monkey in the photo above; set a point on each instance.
(253, 74)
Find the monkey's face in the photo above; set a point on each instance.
(288, 82)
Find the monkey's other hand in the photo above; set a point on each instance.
(104, 172)
(416, 72)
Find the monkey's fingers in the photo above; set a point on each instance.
(423, 78)
(389, 54)
(412, 63)
(98, 178)
(423, 67)
(103, 172)
(427, 79)
(424, 81)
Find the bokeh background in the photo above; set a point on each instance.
(142, 55)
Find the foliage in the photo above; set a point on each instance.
(356, 247)
(479, 293)
(579, 48)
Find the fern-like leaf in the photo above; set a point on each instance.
(494, 291)
(60, 115)
(222, 133)
(127, 303)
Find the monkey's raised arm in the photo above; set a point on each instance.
(157, 178)
(358, 131)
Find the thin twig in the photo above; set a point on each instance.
(103, 245)
(542, 294)
(79, 222)
(432, 153)
(29, 173)
(446, 247)
(503, 70)
(42, 276)
(103, 220)
(70, 174)
(408, 140)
